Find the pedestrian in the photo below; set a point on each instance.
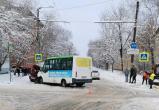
(15, 71)
(22, 70)
(133, 74)
(126, 72)
(25, 72)
(18, 71)
(151, 78)
(145, 77)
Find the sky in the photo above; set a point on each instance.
(81, 14)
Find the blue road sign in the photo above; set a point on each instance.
(144, 57)
(38, 57)
(133, 45)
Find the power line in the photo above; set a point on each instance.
(127, 39)
(120, 21)
(82, 6)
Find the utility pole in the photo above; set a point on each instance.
(135, 28)
(121, 48)
(38, 28)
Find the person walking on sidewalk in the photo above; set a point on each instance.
(126, 72)
(133, 74)
(145, 77)
(151, 78)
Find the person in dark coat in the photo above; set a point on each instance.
(18, 71)
(133, 74)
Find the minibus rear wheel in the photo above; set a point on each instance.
(79, 84)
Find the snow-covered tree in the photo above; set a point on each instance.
(16, 30)
(148, 26)
(113, 36)
(56, 40)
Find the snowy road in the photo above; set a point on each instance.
(100, 95)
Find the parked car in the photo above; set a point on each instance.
(95, 75)
(33, 74)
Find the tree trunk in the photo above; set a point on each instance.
(106, 66)
(152, 56)
(112, 67)
(0, 67)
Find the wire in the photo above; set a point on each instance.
(81, 6)
(127, 39)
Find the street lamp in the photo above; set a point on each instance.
(38, 23)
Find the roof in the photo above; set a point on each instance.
(60, 57)
(66, 57)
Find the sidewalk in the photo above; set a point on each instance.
(118, 78)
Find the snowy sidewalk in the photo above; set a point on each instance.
(118, 78)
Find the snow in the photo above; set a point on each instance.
(24, 83)
(137, 95)
(118, 78)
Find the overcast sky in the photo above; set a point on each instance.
(81, 17)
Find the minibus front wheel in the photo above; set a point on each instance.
(40, 80)
(63, 83)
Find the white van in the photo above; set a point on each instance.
(66, 70)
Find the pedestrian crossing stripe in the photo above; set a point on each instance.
(144, 57)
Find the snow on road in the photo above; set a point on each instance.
(110, 93)
(115, 77)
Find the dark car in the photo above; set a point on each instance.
(34, 72)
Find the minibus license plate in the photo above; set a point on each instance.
(84, 76)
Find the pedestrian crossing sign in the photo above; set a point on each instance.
(144, 57)
(38, 57)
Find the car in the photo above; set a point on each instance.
(95, 75)
(33, 76)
